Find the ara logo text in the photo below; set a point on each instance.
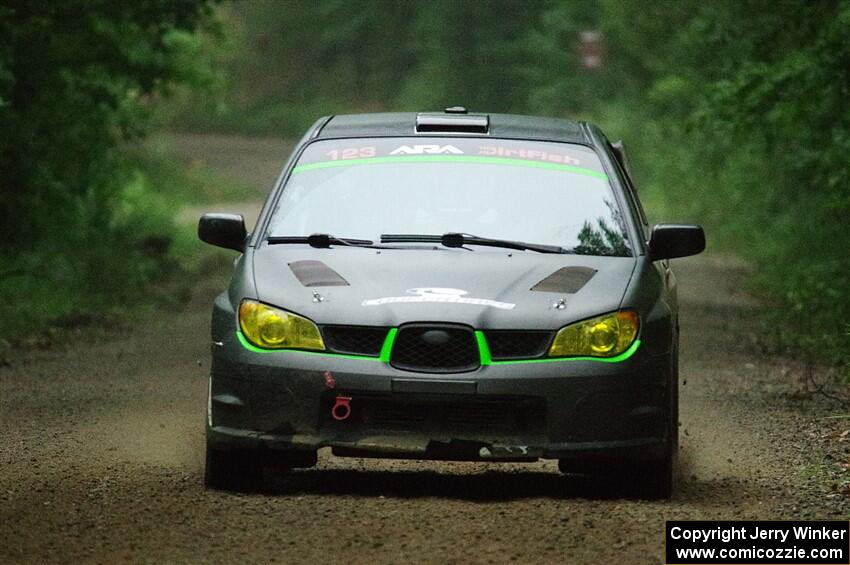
(426, 150)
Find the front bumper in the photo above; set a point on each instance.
(523, 411)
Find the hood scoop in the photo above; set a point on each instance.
(316, 273)
(567, 280)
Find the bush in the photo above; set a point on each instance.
(77, 81)
(86, 274)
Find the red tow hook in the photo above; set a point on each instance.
(342, 409)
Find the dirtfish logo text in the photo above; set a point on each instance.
(426, 150)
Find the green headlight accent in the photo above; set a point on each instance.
(452, 159)
(483, 348)
(619, 358)
(387, 348)
(251, 347)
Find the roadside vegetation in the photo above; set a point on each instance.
(87, 215)
(736, 114)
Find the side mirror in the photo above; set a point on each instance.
(223, 230)
(675, 240)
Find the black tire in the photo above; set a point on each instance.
(674, 397)
(291, 459)
(655, 478)
(652, 479)
(658, 476)
(234, 470)
(591, 467)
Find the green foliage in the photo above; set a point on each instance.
(81, 225)
(75, 81)
(71, 276)
(70, 280)
(750, 103)
(295, 61)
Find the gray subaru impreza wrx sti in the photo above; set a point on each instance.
(448, 286)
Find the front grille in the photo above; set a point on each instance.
(435, 348)
(517, 344)
(448, 416)
(356, 340)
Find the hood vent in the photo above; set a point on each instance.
(567, 280)
(316, 273)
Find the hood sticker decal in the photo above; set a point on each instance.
(441, 295)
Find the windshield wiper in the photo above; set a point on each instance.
(452, 239)
(319, 240)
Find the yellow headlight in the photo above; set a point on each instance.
(271, 328)
(605, 336)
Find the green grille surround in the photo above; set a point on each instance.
(483, 351)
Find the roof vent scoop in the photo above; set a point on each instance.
(454, 120)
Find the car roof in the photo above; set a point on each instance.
(511, 126)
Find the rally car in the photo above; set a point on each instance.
(448, 286)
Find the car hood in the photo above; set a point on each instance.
(485, 289)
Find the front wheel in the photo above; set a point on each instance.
(651, 479)
(235, 470)
(655, 478)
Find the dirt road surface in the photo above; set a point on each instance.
(101, 448)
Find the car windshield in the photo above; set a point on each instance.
(537, 192)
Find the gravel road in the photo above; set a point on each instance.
(101, 448)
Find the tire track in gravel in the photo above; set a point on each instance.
(101, 449)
